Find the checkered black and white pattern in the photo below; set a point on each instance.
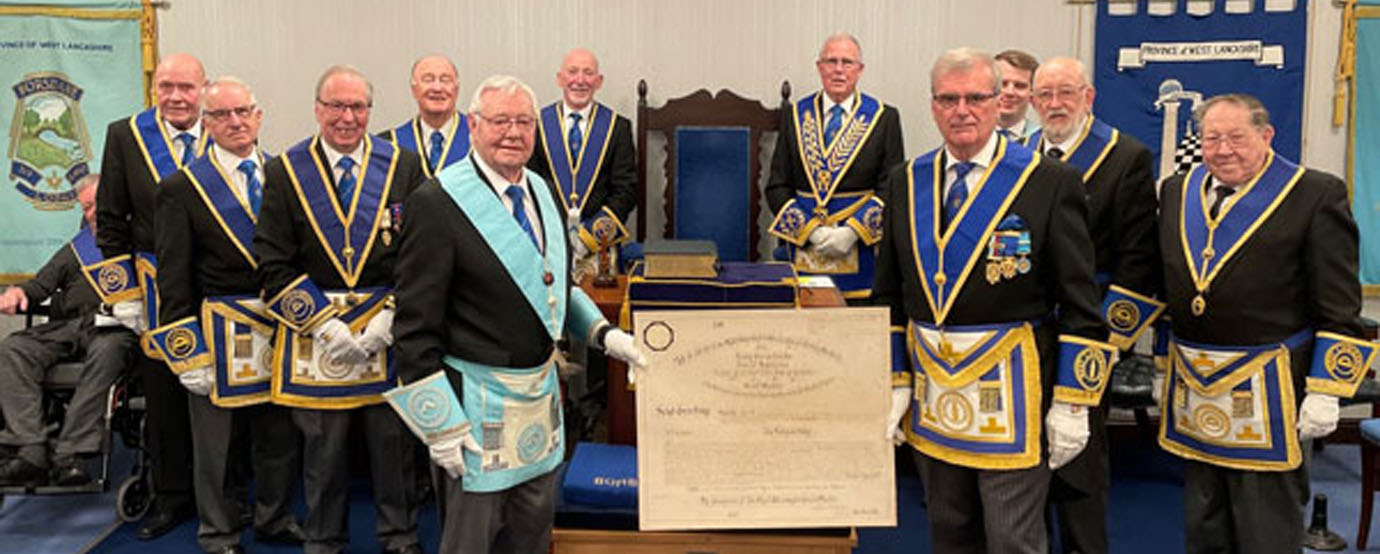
(1189, 152)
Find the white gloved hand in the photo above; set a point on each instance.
(819, 235)
(1067, 427)
(449, 454)
(198, 381)
(1318, 415)
(900, 402)
(103, 320)
(378, 334)
(130, 313)
(837, 242)
(1157, 388)
(619, 344)
(577, 246)
(335, 340)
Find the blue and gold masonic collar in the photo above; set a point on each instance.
(1094, 142)
(575, 172)
(156, 146)
(346, 233)
(945, 261)
(455, 147)
(1209, 243)
(825, 164)
(231, 210)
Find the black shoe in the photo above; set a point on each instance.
(19, 472)
(288, 534)
(70, 475)
(409, 549)
(232, 549)
(160, 520)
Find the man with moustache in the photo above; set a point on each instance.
(327, 241)
(585, 150)
(204, 238)
(1260, 260)
(828, 173)
(1017, 72)
(72, 279)
(140, 151)
(995, 328)
(484, 293)
(1121, 220)
(438, 133)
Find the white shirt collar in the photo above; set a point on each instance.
(499, 182)
(1067, 145)
(427, 130)
(1019, 129)
(827, 104)
(194, 130)
(231, 164)
(333, 156)
(584, 112)
(982, 159)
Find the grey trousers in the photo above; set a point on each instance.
(275, 459)
(326, 435)
(1232, 510)
(1082, 514)
(985, 511)
(513, 521)
(26, 356)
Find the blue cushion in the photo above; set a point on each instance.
(602, 475)
(1370, 429)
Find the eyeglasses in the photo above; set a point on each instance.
(430, 79)
(338, 108)
(503, 122)
(845, 63)
(949, 101)
(242, 111)
(1235, 140)
(1067, 94)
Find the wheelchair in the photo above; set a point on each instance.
(124, 415)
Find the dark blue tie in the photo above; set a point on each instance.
(346, 187)
(515, 193)
(254, 190)
(577, 138)
(835, 121)
(188, 147)
(958, 193)
(437, 141)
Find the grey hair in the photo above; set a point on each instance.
(343, 69)
(841, 36)
(502, 83)
(1260, 117)
(965, 60)
(90, 180)
(224, 80)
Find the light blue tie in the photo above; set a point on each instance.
(437, 141)
(577, 138)
(346, 187)
(188, 147)
(958, 193)
(252, 187)
(835, 121)
(515, 193)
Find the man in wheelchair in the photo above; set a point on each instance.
(75, 330)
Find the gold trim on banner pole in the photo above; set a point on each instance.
(148, 39)
(73, 13)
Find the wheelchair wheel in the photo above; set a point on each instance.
(133, 498)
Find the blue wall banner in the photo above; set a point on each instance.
(70, 68)
(1152, 68)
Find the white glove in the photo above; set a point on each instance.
(577, 246)
(103, 320)
(1318, 415)
(198, 381)
(1067, 427)
(818, 235)
(572, 218)
(378, 334)
(449, 454)
(1157, 387)
(130, 313)
(619, 344)
(900, 402)
(837, 241)
(334, 338)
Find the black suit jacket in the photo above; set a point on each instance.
(287, 246)
(62, 280)
(196, 258)
(125, 199)
(616, 184)
(1121, 217)
(1298, 271)
(884, 150)
(1061, 273)
(454, 295)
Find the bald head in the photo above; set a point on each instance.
(579, 78)
(177, 83)
(1062, 97)
(435, 87)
